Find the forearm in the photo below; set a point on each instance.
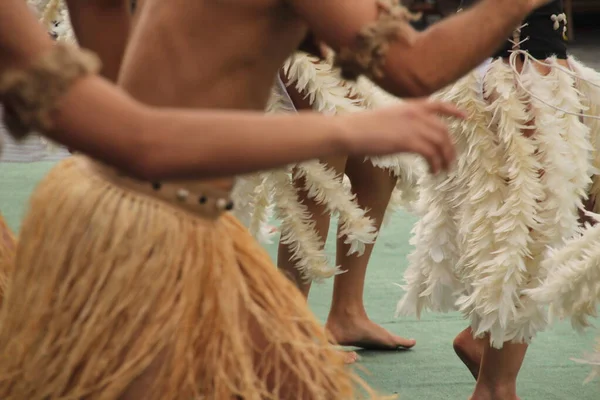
(451, 48)
(90, 20)
(218, 143)
(151, 143)
(417, 63)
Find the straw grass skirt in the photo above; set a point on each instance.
(8, 245)
(127, 291)
(522, 171)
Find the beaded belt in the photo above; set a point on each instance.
(199, 198)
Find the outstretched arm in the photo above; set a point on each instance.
(425, 61)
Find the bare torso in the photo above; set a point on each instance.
(209, 53)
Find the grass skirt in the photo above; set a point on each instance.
(522, 171)
(8, 245)
(120, 294)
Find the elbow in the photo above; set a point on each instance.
(411, 75)
(414, 82)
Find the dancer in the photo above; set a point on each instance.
(300, 253)
(140, 290)
(524, 166)
(305, 195)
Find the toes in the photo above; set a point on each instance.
(402, 342)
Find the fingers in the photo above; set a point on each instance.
(425, 143)
(438, 147)
(440, 138)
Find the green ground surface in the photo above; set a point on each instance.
(430, 371)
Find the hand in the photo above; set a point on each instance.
(412, 127)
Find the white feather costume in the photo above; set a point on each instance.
(329, 95)
(572, 287)
(54, 16)
(484, 228)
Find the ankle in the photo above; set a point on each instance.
(495, 391)
(346, 313)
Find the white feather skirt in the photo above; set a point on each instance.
(523, 170)
(278, 189)
(572, 284)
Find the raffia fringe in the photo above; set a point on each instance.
(116, 294)
(8, 244)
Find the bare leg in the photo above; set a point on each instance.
(498, 374)
(102, 26)
(348, 320)
(469, 350)
(322, 220)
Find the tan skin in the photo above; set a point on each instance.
(89, 21)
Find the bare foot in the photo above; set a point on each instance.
(364, 333)
(469, 351)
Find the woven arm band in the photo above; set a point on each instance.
(31, 95)
(367, 54)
